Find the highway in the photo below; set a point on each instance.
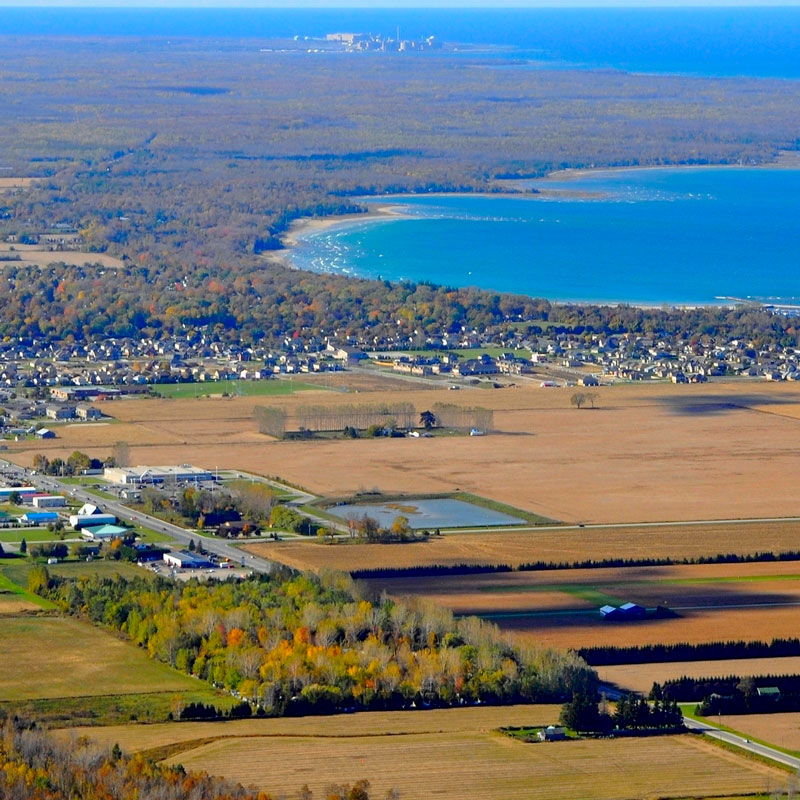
(740, 741)
(218, 547)
(613, 694)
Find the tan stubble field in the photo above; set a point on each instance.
(648, 453)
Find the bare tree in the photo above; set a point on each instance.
(121, 453)
(578, 400)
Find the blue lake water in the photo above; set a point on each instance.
(754, 41)
(650, 236)
(430, 514)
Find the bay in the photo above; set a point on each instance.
(646, 236)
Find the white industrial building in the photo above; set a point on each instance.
(90, 515)
(155, 476)
(49, 501)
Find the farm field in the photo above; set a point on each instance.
(13, 183)
(781, 730)
(458, 749)
(640, 677)
(560, 607)
(69, 658)
(135, 738)
(714, 451)
(35, 256)
(548, 545)
(484, 764)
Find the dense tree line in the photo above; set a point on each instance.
(300, 644)
(36, 766)
(709, 651)
(430, 570)
(192, 219)
(745, 687)
(633, 714)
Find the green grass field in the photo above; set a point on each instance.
(32, 535)
(12, 593)
(115, 709)
(47, 657)
(16, 570)
(268, 388)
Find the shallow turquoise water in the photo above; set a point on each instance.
(683, 235)
(439, 513)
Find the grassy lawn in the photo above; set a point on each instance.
(116, 709)
(12, 510)
(47, 657)
(151, 537)
(11, 593)
(16, 570)
(32, 535)
(88, 482)
(270, 388)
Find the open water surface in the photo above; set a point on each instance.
(649, 236)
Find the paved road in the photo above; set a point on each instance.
(217, 546)
(589, 526)
(613, 694)
(743, 743)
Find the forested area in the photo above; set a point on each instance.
(191, 180)
(300, 644)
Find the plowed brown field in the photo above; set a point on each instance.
(560, 607)
(548, 545)
(640, 677)
(651, 452)
(453, 753)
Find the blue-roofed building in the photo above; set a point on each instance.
(38, 517)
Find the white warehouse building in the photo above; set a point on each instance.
(154, 476)
(49, 501)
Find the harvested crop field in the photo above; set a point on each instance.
(45, 657)
(693, 627)
(560, 607)
(781, 730)
(548, 545)
(640, 677)
(679, 452)
(136, 738)
(33, 256)
(455, 752)
(485, 765)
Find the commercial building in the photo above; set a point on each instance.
(26, 492)
(90, 516)
(103, 533)
(49, 501)
(156, 476)
(183, 559)
(38, 517)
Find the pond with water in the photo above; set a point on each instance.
(430, 514)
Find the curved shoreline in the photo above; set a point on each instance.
(381, 211)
